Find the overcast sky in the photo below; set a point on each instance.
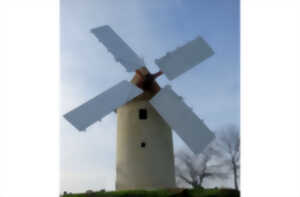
(151, 28)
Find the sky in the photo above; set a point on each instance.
(151, 28)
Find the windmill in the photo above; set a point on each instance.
(146, 113)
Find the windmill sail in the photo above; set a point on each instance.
(182, 119)
(184, 58)
(98, 107)
(119, 49)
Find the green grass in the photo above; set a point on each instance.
(163, 193)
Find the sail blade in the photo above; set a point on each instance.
(118, 48)
(182, 119)
(184, 58)
(101, 105)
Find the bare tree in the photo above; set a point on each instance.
(193, 169)
(229, 145)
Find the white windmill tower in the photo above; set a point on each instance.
(146, 114)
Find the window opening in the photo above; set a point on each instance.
(143, 114)
(143, 144)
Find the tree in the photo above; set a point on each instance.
(229, 145)
(193, 169)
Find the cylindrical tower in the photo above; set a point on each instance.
(145, 157)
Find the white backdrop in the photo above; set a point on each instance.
(269, 98)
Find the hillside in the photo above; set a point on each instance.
(163, 193)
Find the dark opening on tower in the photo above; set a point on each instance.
(143, 114)
(143, 144)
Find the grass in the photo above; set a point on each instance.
(163, 193)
